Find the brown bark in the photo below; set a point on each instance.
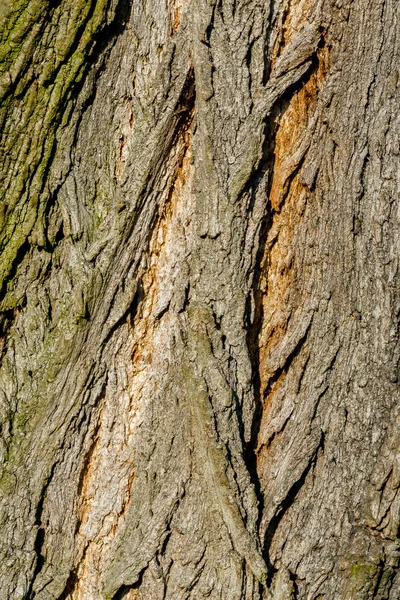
(199, 389)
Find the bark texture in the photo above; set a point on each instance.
(199, 211)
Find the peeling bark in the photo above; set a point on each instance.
(199, 389)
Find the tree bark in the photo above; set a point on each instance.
(199, 215)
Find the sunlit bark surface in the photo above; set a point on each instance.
(199, 235)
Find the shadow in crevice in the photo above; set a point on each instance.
(125, 589)
(289, 500)
(69, 586)
(255, 304)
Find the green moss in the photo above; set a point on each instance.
(7, 483)
(40, 107)
(362, 570)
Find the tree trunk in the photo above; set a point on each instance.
(199, 391)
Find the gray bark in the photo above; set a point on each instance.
(199, 210)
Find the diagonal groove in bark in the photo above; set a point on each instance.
(255, 324)
(290, 498)
(40, 535)
(287, 361)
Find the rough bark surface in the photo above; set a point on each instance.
(199, 215)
